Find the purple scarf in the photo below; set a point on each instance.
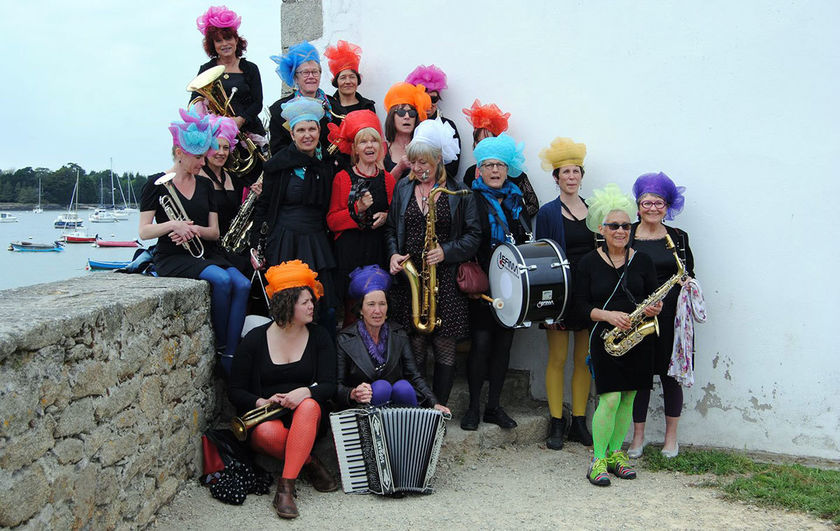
(377, 351)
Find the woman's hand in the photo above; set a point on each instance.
(256, 188)
(365, 202)
(396, 262)
(379, 219)
(402, 165)
(293, 398)
(362, 393)
(619, 319)
(182, 231)
(653, 309)
(443, 409)
(435, 256)
(273, 399)
(256, 262)
(239, 121)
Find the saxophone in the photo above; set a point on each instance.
(618, 342)
(424, 284)
(236, 238)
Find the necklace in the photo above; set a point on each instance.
(363, 174)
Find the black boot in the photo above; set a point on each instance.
(442, 384)
(579, 432)
(556, 433)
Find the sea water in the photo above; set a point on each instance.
(24, 269)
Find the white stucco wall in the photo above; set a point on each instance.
(737, 101)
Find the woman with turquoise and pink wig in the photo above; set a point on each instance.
(192, 138)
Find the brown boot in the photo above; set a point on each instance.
(284, 500)
(319, 476)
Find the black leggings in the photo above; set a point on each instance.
(673, 399)
(489, 358)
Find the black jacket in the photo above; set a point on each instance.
(249, 105)
(517, 229)
(279, 136)
(355, 366)
(465, 232)
(363, 105)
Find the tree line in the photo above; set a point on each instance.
(21, 186)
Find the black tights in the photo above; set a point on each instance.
(489, 358)
(673, 399)
(444, 351)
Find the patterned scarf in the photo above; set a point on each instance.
(690, 308)
(378, 351)
(320, 95)
(510, 197)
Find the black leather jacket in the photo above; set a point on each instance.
(355, 366)
(465, 231)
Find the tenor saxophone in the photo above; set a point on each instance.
(423, 284)
(618, 342)
(236, 239)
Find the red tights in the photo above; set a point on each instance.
(291, 445)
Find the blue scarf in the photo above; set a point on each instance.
(325, 101)
(378, 351)
(509, 196)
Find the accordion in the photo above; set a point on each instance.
(388, 450)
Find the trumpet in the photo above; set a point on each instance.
(240, 425)
(175, 211)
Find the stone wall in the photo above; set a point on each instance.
(106, 383)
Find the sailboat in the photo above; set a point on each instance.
(127, 207)
(70, 219)
(119, 213)
(101, 214)
(38, 209)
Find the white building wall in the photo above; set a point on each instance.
(737, 101)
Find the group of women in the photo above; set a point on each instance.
(342, 219)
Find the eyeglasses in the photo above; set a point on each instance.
(435, 99)
(616, 226)
(308, 73)
(410, 112)
(648, 204)
(492, 165)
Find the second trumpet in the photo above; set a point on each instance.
(175, 211)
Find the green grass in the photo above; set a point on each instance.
(792, 487)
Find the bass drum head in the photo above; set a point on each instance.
(506, 283)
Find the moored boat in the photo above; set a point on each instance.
(100, 265)
(6, 217)
(78, 236)
(113, 243)
(101, 215)
(70, 219)
(35, 247)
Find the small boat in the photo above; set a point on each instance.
(111, 243)
(70, 219)
(33, 247)
(101, 215)
(78, 236)
(119, 214)
(100, 265)
(5, 217)
(38, 209)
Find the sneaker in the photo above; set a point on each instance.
(469, 421)
(597, 474)
(619, 464)
(498, 417)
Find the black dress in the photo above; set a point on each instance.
(341, 111)
(171, 259)
(666, 267)
(597, 286)
(254, 375)
(247, 102)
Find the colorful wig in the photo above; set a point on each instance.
(414, 95)
(343, 56)
(195, 135)
(344, 136)
(503, 148)
(661, 185)
(562, 152)
(288, 64)
(365, 279)
(431, 77)
(292, 274)
(302, 109)
(218, 17)
(439, 135)
(606, 200)
(488, 117)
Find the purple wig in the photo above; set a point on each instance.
(365, 279)
(661, 185)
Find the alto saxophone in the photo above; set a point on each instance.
(424, 284)
(236, 238)
(618, 342)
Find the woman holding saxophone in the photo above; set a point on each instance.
(503, 217)
(187, 230)
(433, 223)
(659, 199)
(610, 284)
(290, 363)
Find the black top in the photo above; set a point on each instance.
(227, 201)
(280, 137)
(254, 375)
(248, 100)
(364, 104)
(532, 202)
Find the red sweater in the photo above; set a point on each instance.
(338, 218)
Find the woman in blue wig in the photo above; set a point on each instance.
(299, 68)
(375, 361)
(297, 185)
(192, 138)
(502, 214)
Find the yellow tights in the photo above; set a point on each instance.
(558, 350)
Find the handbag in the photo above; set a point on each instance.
(471, 278)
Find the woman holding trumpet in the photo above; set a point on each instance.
(288, 363)
(188, 226)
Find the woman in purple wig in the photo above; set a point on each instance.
(659, 199)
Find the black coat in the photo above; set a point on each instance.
(249, 105)
(355, 366)
(280, 137)
(363, 105)
(465, 227)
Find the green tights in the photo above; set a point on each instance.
(611, 421)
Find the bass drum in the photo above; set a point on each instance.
(532, 280)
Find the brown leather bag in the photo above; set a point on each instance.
(472, 279)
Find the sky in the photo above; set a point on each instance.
(94, 79)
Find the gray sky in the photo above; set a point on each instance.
(93, 79)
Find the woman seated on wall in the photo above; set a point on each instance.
(375, 362)
(187, 247)
(407, 106)
(289, 362)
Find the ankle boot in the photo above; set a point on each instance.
(442, 384)
(319, 477)
(556, 433)
(579, 432)
(284, 500)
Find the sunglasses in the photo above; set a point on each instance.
(616, 226)
(435, 99)
(402, 112)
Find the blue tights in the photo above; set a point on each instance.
(228, 299)
(400, 393)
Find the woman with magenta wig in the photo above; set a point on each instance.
(433, 79)
(659, 199)
(375, 362)
(192, 138)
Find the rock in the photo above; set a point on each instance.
(23, 449)
(69, 451)
(24, 494)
